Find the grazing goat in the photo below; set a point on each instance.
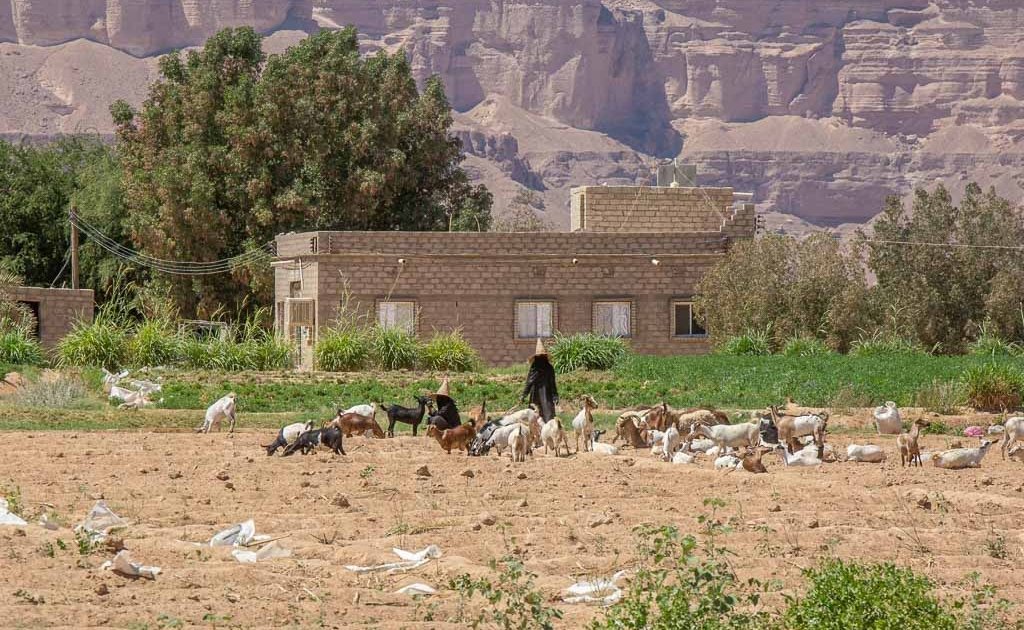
(460, 437)
(1013, 432)
(630, 427)
(670, 443)
(407, 415)
(287, 435)
(752, 460)
(363, 410)
(583, 424)
(330, 437)
(499, 439)
(910, 451)
(223, 408)
(480, 444)
(868, 453)
(958, 458)
(887, 418)
(519, 442)
(792, 427)
(553, 436)
(350, 423)
(734, 435)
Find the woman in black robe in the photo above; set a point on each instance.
(540, 383)
(447, 414)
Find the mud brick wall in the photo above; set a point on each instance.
(649, 209)
(58, 309)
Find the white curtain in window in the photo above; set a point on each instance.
(612, 319)
(397, 315)
(533, 319)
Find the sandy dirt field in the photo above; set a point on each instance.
(568, 518)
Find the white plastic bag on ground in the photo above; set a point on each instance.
(236, 535)
(266, 552)
(100, 522)
(601, 591)
(416, 588)
(409, 561)
(9, 518)
(123, 564)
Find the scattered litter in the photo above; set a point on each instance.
(110, 379)
(417, 588)
(122, 563)
(266, 552)
(100, 522)
(236, 535)
(9, 518)
(46, 523)
(601, 591)
(974, 431)
(410, 561)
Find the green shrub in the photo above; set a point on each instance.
(342, 349)
(449, 352)
(750, 343)
(885, 345)
(989, 344)
(843, 596)
(196, 354)
(103, 343)
(17, 347)
(394, 348)
(509, 603)
(805, 347)
(270, 353)
(60, 392)
(993, 387)
(155, 343)
(587, 351)
(943, 397)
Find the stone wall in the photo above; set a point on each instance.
(649, 209)
(58, 309)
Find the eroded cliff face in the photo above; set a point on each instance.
(820, 107)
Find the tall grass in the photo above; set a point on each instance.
(102, 343)
(54, 393)
(993, 386)
(18, 347)
(587, 351)
(449, 352)
(989, 344)
(155, 343)
(805, 347)
(342, 349)
(750, 343)
(880, 344)
(394, 348)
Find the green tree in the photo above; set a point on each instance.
(229, 151)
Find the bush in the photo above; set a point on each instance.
(993, 387)
(17, 347)
(587, 351)
(55, 393)
(989, 344)
(845, 596)
(449, 352)
(155, 343)
(882, 345)
(941, 397)
(805, 347)
(103, 343)
(750, 343)
(394, 348)
(510, 603)
(342, 350)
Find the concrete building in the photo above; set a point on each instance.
(629, 267)
(55, 310)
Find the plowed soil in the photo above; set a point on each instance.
(568, 517)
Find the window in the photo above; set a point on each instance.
(397, 315)
(684, 324)
(613, 319)
(295, 289)
(534, 319)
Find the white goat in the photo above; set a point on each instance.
(553, 436)
(683, 458)
(657, 439)
(526, 416)
(499, 440)
(605, 449)
(887, 418)
(1013, 432)
(519, 442)
(804, 457)
(957, 458)
(223, 408)
(583, 424)
(734, 435)
(370, 411)
(670, 443)
(868, 453)
(702, 445)
(728, 461)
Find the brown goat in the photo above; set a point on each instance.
(630, 426)
(479, 415)
(458, 438)
(350, 423)
(752, 460)
(907, 443)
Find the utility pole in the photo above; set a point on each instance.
(74, 247)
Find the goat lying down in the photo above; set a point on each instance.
(287, 435)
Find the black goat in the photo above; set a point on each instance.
(407, 415)
(330, 437)
(479, 446)
(287, 435)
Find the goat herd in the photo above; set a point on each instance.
(676, 436)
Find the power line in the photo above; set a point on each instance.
(67, 259)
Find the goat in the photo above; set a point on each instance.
(656, 439)
(670, 443)
(957, 458)
(1016, 453)
(887, 419)
(683, 458)
(752, 460)
(1013, 432)
(583, 424)
(331, 437)
(553, 435)
(867, 453)
(350, 423)
(802, 457)
(709, 417)
(523, 415)
(769, 432)
(734, 435)
(480, 444)
(728, 461)
(792, 427)
(287, 435)
(519, 442)
(907, 443)
(605, 449)
(223, 408)
(499, 439)
(459, 437)
(406, 415)
(363, 410)
(479, 416)
(630, 426)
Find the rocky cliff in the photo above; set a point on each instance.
(819, 107)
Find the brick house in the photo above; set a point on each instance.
(629, 267)
(55, 310)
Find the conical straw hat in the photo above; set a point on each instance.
(540, 350)
(443, 389)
